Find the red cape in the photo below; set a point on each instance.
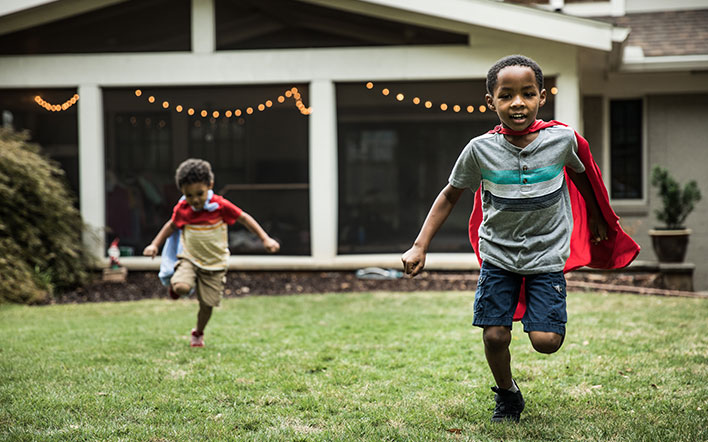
(618, 251)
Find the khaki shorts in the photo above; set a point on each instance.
(209, 284)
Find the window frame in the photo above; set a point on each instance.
(626, 204)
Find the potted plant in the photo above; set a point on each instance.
(671, 240)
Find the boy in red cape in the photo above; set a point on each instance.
(540, 209)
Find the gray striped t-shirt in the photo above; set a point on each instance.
(527, 218)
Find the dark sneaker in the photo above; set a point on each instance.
(509, 405)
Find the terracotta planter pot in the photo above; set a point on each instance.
(670, 245)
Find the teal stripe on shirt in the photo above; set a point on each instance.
(534, 176)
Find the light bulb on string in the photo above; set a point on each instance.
(56, 107)
(266, 104)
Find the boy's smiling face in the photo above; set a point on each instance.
(196, 194)
(516, 97)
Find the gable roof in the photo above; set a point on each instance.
(494, 15)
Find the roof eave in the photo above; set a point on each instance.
(505, 17)
(634, 60)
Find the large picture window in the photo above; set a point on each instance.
(626, 149)
(395, 156)
(259, 158)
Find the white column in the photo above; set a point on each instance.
(92, 167)
(568, 104)
(323, 170)
(203, 26)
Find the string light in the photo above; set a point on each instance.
(292, 93)
(56, 107)
(443, 106)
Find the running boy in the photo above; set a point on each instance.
(527, 223)
(202, 217)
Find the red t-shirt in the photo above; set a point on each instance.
(204, 233)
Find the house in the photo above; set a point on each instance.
(336, 122)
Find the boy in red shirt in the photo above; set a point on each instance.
(203, 216)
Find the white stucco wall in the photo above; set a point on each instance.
(674, 143)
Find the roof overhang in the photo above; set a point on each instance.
(490, 14)
(633, 60)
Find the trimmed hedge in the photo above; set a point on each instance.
(41, 250)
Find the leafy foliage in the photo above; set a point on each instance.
(677, 203)
(40, 228)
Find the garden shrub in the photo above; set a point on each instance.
(41, 250)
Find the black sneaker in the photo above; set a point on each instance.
(509, 405)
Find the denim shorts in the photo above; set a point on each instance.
(498, 293)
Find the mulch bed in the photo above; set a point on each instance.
(145, 285)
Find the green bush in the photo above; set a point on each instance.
(41, 250)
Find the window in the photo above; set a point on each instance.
(259, 159)
(395, 156)
(57, 132)
(626, 149)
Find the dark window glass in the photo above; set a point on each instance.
(268, 24)
(132, 26)
(396, 156)
(56, 131)
(260, 160)
(626, 148)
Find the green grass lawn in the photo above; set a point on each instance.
(363, 366)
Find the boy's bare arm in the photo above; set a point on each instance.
(414, 258)
(164, 233)
(251, 224)
(596, 222)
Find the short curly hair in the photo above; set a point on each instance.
(512, 60)
(193, 170)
